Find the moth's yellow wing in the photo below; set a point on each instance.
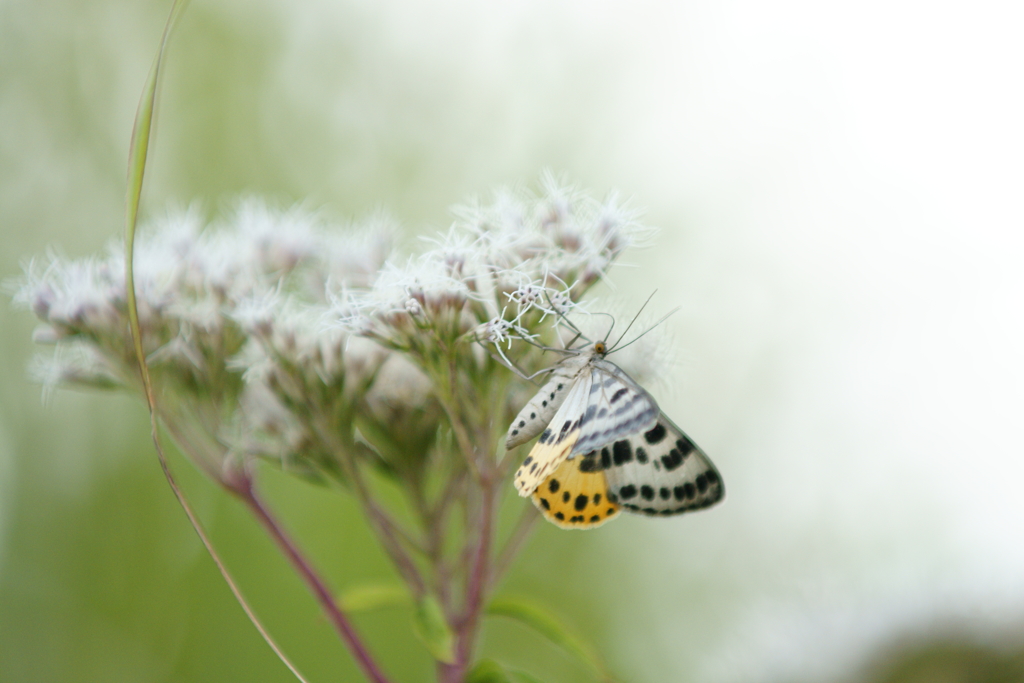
(574, 499)
(557, 441)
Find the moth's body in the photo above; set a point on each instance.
(630, 455)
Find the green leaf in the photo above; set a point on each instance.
(371, 596)
(432, 628)
(539, 619)
(524, 677)
(488, 671)
(138, 152)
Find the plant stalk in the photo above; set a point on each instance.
(243, 488)
(477, 582)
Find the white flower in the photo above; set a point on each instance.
(538, 253)
(75, 364)
(72, 297)
(497, 330)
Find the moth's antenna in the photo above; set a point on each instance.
(616, 344)
(647, 330)
(610, 327)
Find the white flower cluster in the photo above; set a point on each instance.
(501, 268)
(193, 283)
(274, 317)
(216, 303)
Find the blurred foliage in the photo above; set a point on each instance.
(948, 659)
(543, 622)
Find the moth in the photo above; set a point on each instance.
(604, 447)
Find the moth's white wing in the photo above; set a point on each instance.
(607, 447)
(557, 439)
(617, 407)
(540, 409)
(657, 472)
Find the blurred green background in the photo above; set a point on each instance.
(838, 194)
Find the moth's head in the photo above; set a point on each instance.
(600, 348)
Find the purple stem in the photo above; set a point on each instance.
(242, 487)
(477, 583)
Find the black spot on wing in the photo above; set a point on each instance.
(627, 491)
(647, 492)
(618, 394)
(588, 463)
(581, 502)
(655, 435)
(673, 459)
(685, 446)
(553, 486)
(622, 453)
